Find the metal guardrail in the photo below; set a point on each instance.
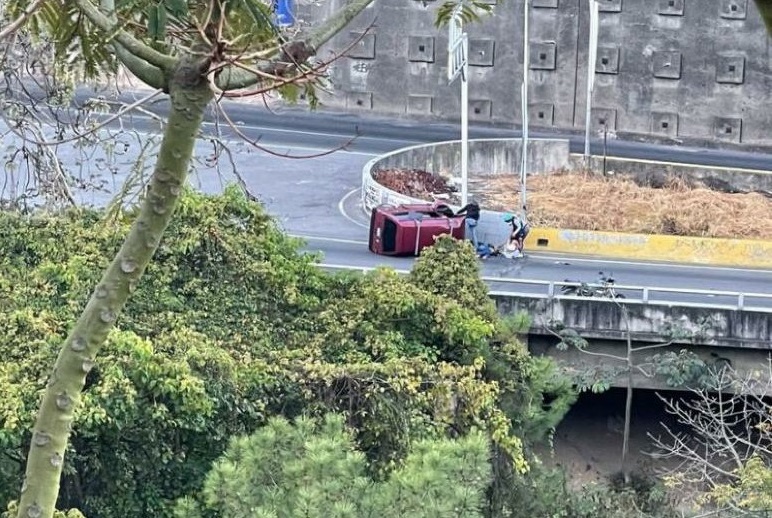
(539, 289)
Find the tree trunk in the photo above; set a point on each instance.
(628, 401)
(628, 416)
(189, 95)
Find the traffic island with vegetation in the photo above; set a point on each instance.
(586, 201)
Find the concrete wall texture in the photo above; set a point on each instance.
(742, 337)
(486, 157)
(693, 70)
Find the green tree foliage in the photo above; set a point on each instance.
(314, 470)
(751, 491)
(544, 493)
(451, 269)
(533, 394)
(192, 51)
(231, 326)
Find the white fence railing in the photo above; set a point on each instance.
(683, 297)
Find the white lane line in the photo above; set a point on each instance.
(684, 164)
(329, 239)
(264, 129)
(297, 132)
(651, 264)
(273, 147)
(342, 209)
(569, 259)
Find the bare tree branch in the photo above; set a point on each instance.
(298, 51)
(255, 142)
(722, 430)
(78, 136)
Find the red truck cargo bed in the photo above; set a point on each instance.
(408, 229)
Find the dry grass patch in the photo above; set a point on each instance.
(587, 202)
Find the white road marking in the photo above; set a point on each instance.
(684, 164)
(329, 239)
(273, 147)
(342, 209)
(654, 264)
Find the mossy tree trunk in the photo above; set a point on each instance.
(189, 95)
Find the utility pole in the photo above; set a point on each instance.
(592, 55)
(458, 65)
(524, 113)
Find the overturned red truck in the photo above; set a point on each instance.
(408, 229)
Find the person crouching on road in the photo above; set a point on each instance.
(472, 212)
(517, 235)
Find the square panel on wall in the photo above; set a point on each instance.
(480, 109)
(420, 48)
(610, 6)
(603, 118)
(419, 104)
(733, 9)
(607, 61)
(667, 64)
(359, 100)
(541, 114)
(549, 4)
(730, 69)
(543, 55)
(664, 123)
(671, 7)
(364, 48)
(728, 128)
(481, 52)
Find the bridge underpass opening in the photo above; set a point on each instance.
(588, 442)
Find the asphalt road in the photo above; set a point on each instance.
(317, 198)
(325, 130)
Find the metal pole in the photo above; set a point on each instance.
(464, 126)
(592, 53)
(524, 112)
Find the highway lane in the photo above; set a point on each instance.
(376, 134)
(557, 268)
(318, 197)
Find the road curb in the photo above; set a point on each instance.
(745, 253)
(740, 253)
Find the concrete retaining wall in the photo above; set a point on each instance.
(651, 171)
(699, 250)
(680, 70)
(603, 319)
(741, 338)
(487, 157)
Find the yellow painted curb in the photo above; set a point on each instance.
(746, 253)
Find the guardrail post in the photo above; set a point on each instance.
(551, 290)
(740, 300)
(645, 295)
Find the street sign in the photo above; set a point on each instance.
(456, 47)
(285, 12)
(592, 56)
(457, 66)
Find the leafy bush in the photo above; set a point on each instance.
(314, 470)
